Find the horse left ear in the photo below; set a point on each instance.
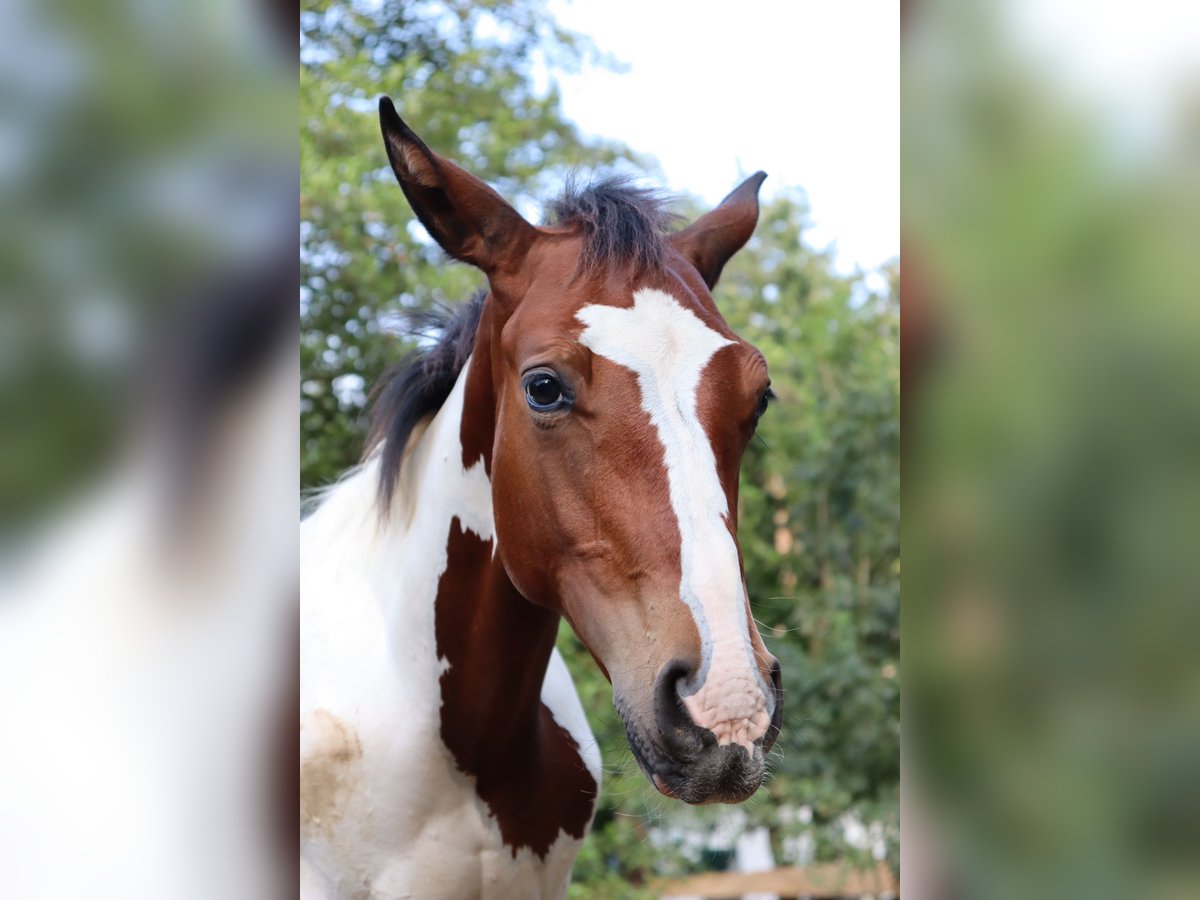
(467, 218)
(713, 238)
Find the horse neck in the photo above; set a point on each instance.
(493, 644)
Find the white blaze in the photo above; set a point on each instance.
(667, 347)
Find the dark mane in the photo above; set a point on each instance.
(621, 224)
(419, 384)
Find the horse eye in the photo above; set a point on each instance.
(544, 392)
(763, 402)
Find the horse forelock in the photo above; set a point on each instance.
(621, 224)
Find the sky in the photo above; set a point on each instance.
(809, 92)
(1136, 68)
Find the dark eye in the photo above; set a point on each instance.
(763, 402)
(544, 392)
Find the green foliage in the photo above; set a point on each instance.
(819, 511)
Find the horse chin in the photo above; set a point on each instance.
(721, 774)
(726, 775)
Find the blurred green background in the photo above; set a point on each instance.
(142, 156)
(1051, 189)
(820, 490)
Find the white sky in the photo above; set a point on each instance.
(1138, 66)
(806, 90)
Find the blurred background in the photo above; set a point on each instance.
(148, 451)
(692, 97)
(1051, 178)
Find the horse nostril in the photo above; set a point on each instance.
(679, 732)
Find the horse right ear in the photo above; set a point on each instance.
(467, 218)
(713, 238)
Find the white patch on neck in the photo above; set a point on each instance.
(410, 822)
(668, 347)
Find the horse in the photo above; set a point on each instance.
(570, 448)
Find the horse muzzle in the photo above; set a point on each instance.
(687, 762)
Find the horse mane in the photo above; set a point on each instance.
(621, 224)
(419, 384)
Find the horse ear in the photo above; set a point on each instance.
(467, 218)
(713, 238)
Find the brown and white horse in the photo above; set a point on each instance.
(570, 448)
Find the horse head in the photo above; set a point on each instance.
(612, 404)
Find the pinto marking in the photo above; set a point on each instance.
(410, 822)
(668, 347)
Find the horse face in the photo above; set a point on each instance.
(623, 411)
(623, 404)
